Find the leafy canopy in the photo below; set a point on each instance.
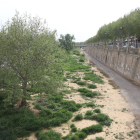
(66, 42)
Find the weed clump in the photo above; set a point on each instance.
(97, 111)
(78, 117)
(81, 83)
(99, 138)
(73, 129)
(89, 112)
(92, 129)
(81, 135)
(93, 77)
(88, 93)
(102, 119)
(92, 86)
(90, 104)
(51, 135)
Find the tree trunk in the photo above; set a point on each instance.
(24, 86)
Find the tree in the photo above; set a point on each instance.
(30, 57)
(66, 42)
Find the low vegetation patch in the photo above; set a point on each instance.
(91, 86)
(101, 118)
(88, 93)
(82, 83)
(51, 135)
(78, 117)
(93, 77)
(97, 110)
(84, 132)
(90, 104)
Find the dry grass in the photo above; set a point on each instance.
(111, 82)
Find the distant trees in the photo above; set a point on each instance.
(67, 42)
(29, 57)
(130, 24)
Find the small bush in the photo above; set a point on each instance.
(97, 111)
(99, 138)
(81, 59)
(51, 135)
(73, 129)
(90, 104)
(102, 118)
(93, 77)
(89, 112)
(81, 82)
(72, 125)
(92, 86)
(92, 129)
(74, 137)
(64, 79)
(87, 93)
(78, 117)
(79, 105)
(81, 135)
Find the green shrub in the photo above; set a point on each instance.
(66, 137)
(74, 137)
(81, 59)
(72, 125)
(102, 118)
(92, 86)
(87, 93)
(97, 111)
(93, 77)
(78, 117)
(89, 112)
(90, 104)
(73, 129)
(51, 135)
(65, 79)
(81, 82)
(79, 105)
(81, 135)
(92, 129)
(99, 138)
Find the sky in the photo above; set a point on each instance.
(81, 18)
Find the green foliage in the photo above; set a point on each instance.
(88, 93)
(74, 137)
(81, 59)
(92, 129)
(92, 86)
(76, 52)
(99, 138)
(93, 77)
(78, 117)
(72, 125)
(81, 135)
(73, 129)
(81, 82)
(97, 110)
(30, 58)
(74, 66)
(66, 42)
(90, 104)
(102, 118)
(89, 112)
(129, 22)
(51, 135)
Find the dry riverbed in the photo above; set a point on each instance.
(111, 103)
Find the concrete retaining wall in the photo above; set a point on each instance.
(125, 63)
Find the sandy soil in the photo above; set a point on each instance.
(115, 107)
